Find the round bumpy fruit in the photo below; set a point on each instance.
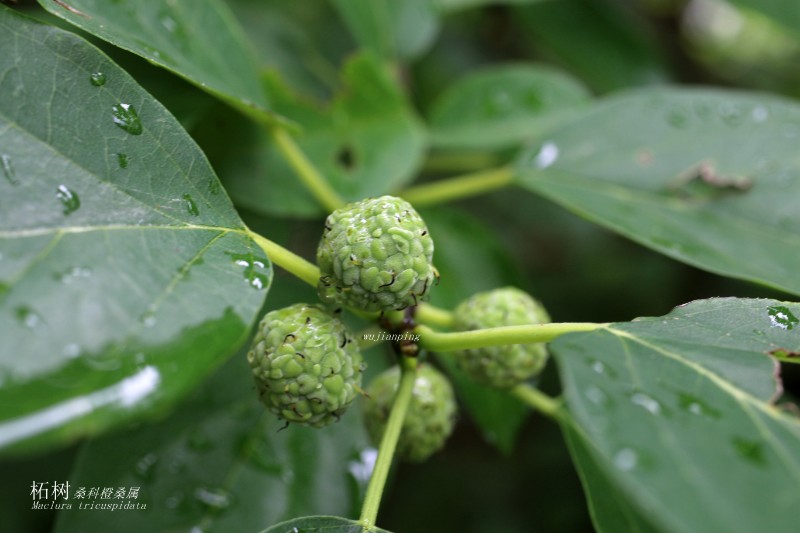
(430, 417)
(305, 364)
(375, 255)
(501, 366)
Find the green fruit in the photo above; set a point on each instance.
(430, 417)
(305, 364)
(501, 366)
(375, 255)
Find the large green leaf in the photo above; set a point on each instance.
(503, 105)
(391, 29)
(221, 463)
(708, 177)
(125, 274)
(199, 40)
(678, 413)
(366, 143)
(326, 524)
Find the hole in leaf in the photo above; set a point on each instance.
(346, 157)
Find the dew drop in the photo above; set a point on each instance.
(678, 118)
(546, 156)
(174, 501)
(148, 318)
(98, 79)
(8, 170)
(73, 274)
(213, 498)
(125, 117)
(696, 406)
(71, 350)
(146, 466)
(760, 113)
(191, 206)
(781, 317)
(648, 403)
(28, 317)
(626, 459)
(599, 367)
(122, 160)
(596, 396)
(68, 198)
(256, 272)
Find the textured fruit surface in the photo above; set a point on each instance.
(501, 366)
(375, 255)
(306, 364)
(430, 417)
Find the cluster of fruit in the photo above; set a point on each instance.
(377, 256)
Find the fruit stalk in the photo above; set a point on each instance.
(462, 340)
(377, 482)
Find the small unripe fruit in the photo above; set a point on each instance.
(430, 417)
(375, 255)
(508, 365)
(306, 365)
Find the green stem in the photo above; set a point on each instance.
(377, 482)
(287, 260)
(464, 340)
(536, 399)
(311, 177)
(458, 187)
(434, 316)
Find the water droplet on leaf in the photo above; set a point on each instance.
(68, 198)
(28, 317)
(72, 274)
(214, 498)
(696, 406)
(256, 271)
(125, 117)
(122, 160)
(782, 317)
(8, 170)
(626, 459)
(546, 156)
(146, 466)
(649, 404)
(97, 79)
(191, 207)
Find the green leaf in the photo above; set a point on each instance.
(199, 40)
(612, 49)
(503, 105)
(125, 274)
(677, 412)
(707, 177)
(220, 463)
(470, 260)
(391, 29)
(326, 524)
(610, 508)
(368, 142)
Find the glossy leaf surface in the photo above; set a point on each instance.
(503, 105)
(326, 524)
(199, 40)
(221, 463)
(707, 177)
(125, 274)
(676, 414)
